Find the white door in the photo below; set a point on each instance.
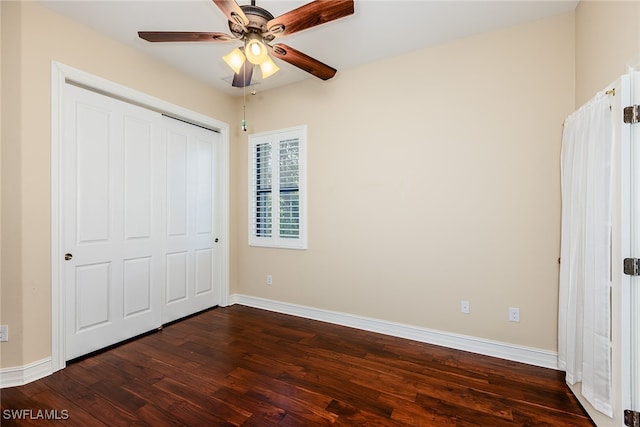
(628, 287)
(633, 301)
(139, 205)
(112, 227)
(192, 261)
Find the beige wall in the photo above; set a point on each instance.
(607, 40)
(33, 37)
(0, 167)
(10, 243)
(433, 178)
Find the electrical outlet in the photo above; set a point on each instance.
(269, 279)
(464, 307)
(4, 333)
(514, 314)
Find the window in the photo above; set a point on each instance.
(277, 188)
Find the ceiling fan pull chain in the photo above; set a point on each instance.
(244, 107)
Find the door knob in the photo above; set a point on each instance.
(67, 257)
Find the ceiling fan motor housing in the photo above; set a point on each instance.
(258, 18)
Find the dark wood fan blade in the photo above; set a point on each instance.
(232, 11)
(311, 14)
(243, 78)
(303, 61)
(183, 36)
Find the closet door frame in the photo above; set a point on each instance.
(61, 74)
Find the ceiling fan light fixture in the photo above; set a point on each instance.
(235, 59)
(255, 50)
(268, 68)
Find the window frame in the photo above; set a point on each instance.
(275, 138)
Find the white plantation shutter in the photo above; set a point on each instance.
(289, 189)
(263, 213)
(277, 188)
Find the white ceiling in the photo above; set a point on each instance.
(378, 29)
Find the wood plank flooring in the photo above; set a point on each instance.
(242, 366)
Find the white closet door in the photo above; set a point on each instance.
(112, 230)
(192, 262)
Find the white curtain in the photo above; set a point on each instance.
(584, 330)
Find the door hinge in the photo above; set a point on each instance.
(631, 114)
(631, 418)
(631, 266)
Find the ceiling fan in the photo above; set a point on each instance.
(256, 28)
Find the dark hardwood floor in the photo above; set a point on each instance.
(243, 366)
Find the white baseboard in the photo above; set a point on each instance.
(21, 375)
(517, 353)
